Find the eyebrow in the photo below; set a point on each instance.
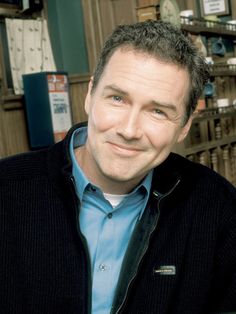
(116, 89)
(165, 105)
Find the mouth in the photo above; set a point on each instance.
(124, 150)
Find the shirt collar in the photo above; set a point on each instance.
(78, 139)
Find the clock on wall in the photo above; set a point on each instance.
(170, 12)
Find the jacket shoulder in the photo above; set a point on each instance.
(199, 177)
(22, 165)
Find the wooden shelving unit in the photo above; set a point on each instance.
(212, 138)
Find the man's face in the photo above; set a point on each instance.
(134, 119)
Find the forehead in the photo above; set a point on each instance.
(127, 58)
(141, 72)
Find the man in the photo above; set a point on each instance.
(109, 220)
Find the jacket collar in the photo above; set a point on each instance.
(167, 175)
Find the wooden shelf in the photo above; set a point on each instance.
(223, 70)
(215, 113)
(12, 102)
(208, 28)
(209, 145)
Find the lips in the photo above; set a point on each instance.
(124, 150)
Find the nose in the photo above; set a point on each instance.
(130, 126)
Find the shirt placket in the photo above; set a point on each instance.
(103, 268)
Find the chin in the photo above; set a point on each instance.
(122, 177)
(119, 178)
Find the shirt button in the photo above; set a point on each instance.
(93, 189)
(109, 215)
(102, 267)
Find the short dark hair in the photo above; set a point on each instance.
(165, 42)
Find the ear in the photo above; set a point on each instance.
(88, 96)
(185, 129)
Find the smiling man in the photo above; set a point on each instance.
(135, 116)
(110, 220)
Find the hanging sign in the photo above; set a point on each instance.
(214, 7)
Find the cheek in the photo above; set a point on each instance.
(103, 119)
(161, 135)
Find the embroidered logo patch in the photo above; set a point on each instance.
(165, 270)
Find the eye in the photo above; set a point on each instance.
(117, 98)
(157, 111)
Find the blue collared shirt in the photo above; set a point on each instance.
(106, 228)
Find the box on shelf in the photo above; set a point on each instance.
(148, 13)
(146, 3)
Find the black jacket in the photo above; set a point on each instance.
(181, 258)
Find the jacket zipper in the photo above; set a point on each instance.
(159, 199)
(77, 204)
